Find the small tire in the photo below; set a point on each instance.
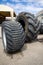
(13, 36)
(31, 25)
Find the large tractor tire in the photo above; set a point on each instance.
(13, 36)
(39, 16)
(30, 25)
(41, 26)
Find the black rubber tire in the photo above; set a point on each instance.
(39, 16)
(15, 36)
(41, 29)
(31, 25)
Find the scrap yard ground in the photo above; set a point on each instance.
(31, 54)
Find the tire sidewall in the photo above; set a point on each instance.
(3, 30)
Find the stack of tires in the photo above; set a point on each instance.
(15, 33)
(30, 25)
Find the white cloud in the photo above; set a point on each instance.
(41, 3)
(26, 0)
(22, 0)
(37, 3)
(28, 8)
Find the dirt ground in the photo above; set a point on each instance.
(31, 54)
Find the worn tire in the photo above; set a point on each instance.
(31, 25)
(14, 35)
(39, 16)
(41, 28)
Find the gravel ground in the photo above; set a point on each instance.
(31, 54)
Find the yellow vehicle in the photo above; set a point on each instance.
(6, 11)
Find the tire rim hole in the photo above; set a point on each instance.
(22, 23)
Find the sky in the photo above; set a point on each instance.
(32, 6)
